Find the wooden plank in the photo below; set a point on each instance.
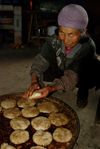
(41, 37)
(6, 8)
(8, 27)
(17, 25)
(30, 27)
(97, 118)
(6, 20)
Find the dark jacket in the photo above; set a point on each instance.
(53, 62)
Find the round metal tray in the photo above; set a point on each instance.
(73, 125)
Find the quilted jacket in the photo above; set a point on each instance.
(53, 65)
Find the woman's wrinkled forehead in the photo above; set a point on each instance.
(68, 29)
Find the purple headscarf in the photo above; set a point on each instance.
(73, 16)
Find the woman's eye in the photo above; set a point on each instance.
(61, 33)
(71, 35)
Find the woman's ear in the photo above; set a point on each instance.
(85, 30)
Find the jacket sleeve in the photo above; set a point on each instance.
(67, 82)
(42, 60)
(39, 65)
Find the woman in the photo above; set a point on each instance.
(65, 60)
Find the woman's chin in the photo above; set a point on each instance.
(67, 47)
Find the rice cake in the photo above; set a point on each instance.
(47, 107)
(62, 135)
(72, 125)
(40, 123)
(58, 119)
(19, 136)
(0, 109)
(35, 94)
(8, 103)
(12, 113)
(30, 112)
(19, 123)
(6, 146)
(25, 103)
(42, 138)
(37, 147)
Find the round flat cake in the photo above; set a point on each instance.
(6, 146)
(19, 123)
(8, 103)
(37, 147)
(30, 112)
(40, 123)
(25, 103)
(62, 135)
(58, 119)
(42, 138)
(19, 136)
(12, 113)
(0, 109)
(47, 107)
(49, 124)
(34, 95)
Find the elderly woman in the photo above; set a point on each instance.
(66, 61)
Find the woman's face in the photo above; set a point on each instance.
(69, 36)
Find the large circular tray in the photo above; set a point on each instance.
(73, 125)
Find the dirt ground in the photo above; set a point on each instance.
(15, 65)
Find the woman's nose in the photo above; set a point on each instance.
(66, 39)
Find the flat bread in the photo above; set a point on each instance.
(19, 136)
(8, 103)
(35, 95)
(47, 107)
(40, 123)
(25, 102)
(58, 119)
(19, 123)
(30, 112)
(6, 146)
(0, 109)
(42, 138)
(12, 113)
(37, 147)
(41, 134)
(62, 135)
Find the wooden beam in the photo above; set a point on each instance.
(6, 8)
(8, 27)
(17, 25)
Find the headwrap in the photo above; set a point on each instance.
(73, 16)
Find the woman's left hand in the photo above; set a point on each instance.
(44, 92)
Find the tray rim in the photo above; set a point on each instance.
(62, 102)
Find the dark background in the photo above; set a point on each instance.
(92, 8)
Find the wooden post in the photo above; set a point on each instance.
(17, 25)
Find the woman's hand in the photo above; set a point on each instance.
(31, 89)
(34, 86)
(46, 91)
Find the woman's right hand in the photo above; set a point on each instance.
(34, 86)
